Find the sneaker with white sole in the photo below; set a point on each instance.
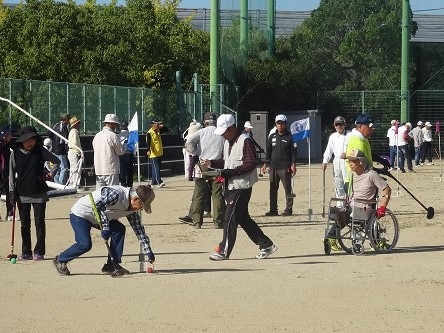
(217, 256)
(265, 253)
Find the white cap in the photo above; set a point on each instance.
(223, 122)
(280, 117)
(428, 124)
(420, 123)
(47, 142)
(408, 125)
(248, 125)
(111, 118)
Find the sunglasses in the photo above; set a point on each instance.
(339, 124)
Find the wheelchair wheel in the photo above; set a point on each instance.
(383, 233)
(327, 246)
(344, 238)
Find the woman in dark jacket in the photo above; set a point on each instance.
(27, 186)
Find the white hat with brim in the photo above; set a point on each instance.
(223, 122)
(111, 118)
(428, 124)
(248, 125)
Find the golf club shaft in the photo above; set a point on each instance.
(411, 194)
(323, 192)
(99, 221)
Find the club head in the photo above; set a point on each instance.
(430, 213)
(10, 256)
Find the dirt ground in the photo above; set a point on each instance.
(297, 289)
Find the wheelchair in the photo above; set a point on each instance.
(355, 222)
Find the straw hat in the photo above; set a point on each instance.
(74, 121)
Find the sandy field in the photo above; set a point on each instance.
(298, 289)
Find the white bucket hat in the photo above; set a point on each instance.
(111, 118)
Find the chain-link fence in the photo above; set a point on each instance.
(383, 106)
(47, 100)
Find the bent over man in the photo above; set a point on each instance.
(112, 203)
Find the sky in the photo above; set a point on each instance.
(424, 6)
(430, 7)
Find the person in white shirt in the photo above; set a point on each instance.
(336, 146)
(392, 136)
(427, 144)
(107, 149)
(74, 153)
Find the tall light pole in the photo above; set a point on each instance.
(405, 99)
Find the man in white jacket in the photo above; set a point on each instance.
(107, 149)
(336, 146)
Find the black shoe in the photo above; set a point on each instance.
(403, 170)
(218, 225)
(186, 219)
(109, 269)
(197, 225)
(287, 213)
(61, 267)
(272, 213)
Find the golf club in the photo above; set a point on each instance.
(99, 221)
(12, 255)
(430, 210)
(292, 194)
(323, 192)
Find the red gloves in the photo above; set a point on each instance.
(380, 212)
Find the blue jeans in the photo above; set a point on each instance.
(417, 155)
(155, 170)
(62, 171)
(392, 155)
(82, 234)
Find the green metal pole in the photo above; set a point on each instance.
(271, 17)
(214, 52)
(244, 28)
(405, 107)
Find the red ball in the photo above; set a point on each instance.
(149, 270)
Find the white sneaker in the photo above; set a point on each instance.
(430, 163)
(162, 184)
(265, 253)
(216, 256)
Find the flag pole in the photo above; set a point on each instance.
(310, 211)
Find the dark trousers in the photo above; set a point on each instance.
(275, 177)
(9, 208)
(237, 214)
(206, 201)
(126, 169)
(40, 227)
(216, 194)
(426, 151)
(193, 160)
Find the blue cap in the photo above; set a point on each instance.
(365, 119)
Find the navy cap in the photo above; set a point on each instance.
(5, 130)
(365, 119)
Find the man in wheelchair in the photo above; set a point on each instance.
(364, 185)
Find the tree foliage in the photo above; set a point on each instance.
(140, 44)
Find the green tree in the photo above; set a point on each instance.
(353, 45)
